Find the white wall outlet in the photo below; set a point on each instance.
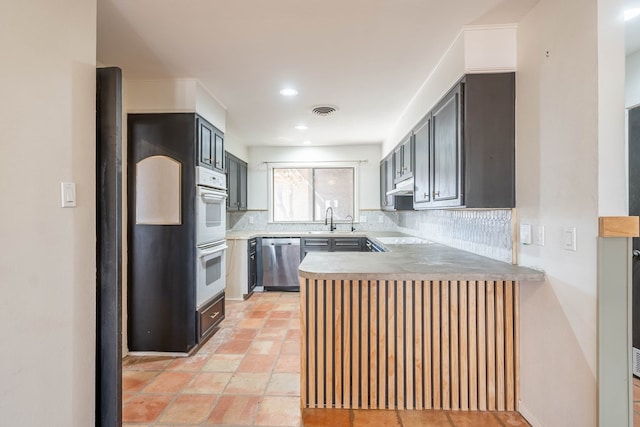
(251, 219)
(525, 234)
(569, 238)
(381, 219)
(68, 194)
(363, 218)
(538, 235)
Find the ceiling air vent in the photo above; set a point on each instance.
(323, 110)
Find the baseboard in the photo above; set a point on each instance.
(527, 415)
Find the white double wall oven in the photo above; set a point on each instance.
(211, 202)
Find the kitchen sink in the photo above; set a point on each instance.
(402, 240)
(330, 232)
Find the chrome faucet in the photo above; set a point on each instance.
(352, 227)
(326, 216)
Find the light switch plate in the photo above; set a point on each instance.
(569, 238)
(250, 219)
(525, 234)
(68, 194)
(380, 219)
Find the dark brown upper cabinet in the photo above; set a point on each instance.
(210, 146)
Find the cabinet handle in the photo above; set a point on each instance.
(214, 315)
(436, 193)
(425, 195)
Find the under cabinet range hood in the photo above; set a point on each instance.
(404, 188)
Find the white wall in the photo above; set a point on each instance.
(632, 88)
(476, 49)
(369, 179)
(557, 185)
(47, 259)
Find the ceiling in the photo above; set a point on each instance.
(366, 57)
(632, 29)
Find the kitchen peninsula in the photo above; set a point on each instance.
(422, 326)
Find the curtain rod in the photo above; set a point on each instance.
(313, 162)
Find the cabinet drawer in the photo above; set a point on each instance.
(209, 316)
(347, 244)
(318, 242)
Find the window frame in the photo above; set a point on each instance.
(314, 165)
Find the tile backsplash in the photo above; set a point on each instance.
(484, 232)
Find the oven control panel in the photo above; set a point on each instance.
(211, 178)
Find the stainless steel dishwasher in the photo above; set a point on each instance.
(280, 261)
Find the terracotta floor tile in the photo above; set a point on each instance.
(326, 417)
(271, 334)
(512, 419)
(279, 411)
(251, 323)
(126, 395)
(372, 418)
(235, 410)
(146, 363)
(209, 347)
(290, 348)
(636, 407)
(293, 335)
(208, 382)
(277, 323)
(636, 392)
(188, 409)
(424, 418)
(257, 363)
(144, 409)
(474, 419)
(247, 383)
(169, 382)
(257, 314)
(223, 363)
(636, 419)
(189, 364)
(288, 363)
(234, 347)
(279, 314)
(284, 384)
(133, 381)
(264, 306)
(243, 334)
(265, 347)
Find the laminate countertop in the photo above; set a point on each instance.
(429, 261)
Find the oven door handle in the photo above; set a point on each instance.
(213, 197)
(205, 254)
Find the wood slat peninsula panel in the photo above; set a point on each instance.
(405, 345)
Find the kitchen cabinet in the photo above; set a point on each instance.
(422, 165)
(391, 202)
(252, 265)
(161, 290)
(464, 148)
(403, 156)
(331, 244)
(210, 145)
(446, 150)
(236, 183)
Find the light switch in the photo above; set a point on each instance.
(68, 194)
(525, 234)
(380, 219)
(569, 238)
(251, 219)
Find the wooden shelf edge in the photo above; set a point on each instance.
(619, 226)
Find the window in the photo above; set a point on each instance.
(303, 194)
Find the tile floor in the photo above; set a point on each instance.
(248, 374)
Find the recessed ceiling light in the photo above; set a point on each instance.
(302, 127)
(307, 142)
(288, 91)
(629, 14)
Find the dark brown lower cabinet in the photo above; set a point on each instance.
(209, 316)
